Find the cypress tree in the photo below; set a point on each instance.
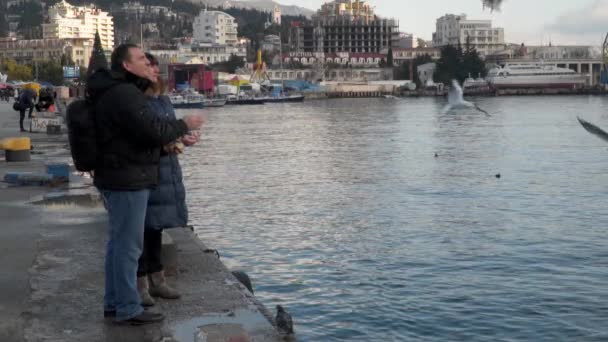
(98, 58)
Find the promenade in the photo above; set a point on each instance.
(52, 254)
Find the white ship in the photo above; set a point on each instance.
(535, 76)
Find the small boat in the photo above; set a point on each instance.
(233, 100)
(176, 99)
(284, 98)
(390, 96)
(190, 101)
(214, 102)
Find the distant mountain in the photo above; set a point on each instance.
(262, 5)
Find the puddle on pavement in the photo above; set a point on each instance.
(201, 329)
(64, 199)
(72, 208)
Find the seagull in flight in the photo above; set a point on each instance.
(456, 100)
(593, 129)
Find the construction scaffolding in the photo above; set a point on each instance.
(345, 26)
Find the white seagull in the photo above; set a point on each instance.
(456, 101)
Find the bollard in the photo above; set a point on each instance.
(168, 255)
(53, 129)
(16, 149)
(60, 172)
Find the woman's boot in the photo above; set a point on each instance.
(144, 294)
(159, 287)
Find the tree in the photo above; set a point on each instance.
(50, 71)
(98, 58)
(458, 64)
(229, 66)
(83, 74)
(3, 26)
(16, 72)
(409, 69)
(448, 65)
(389, 58)
(66, 60)
(30, 20)
(472, 62)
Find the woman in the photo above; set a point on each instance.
(167, 203)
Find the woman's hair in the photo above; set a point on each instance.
(160, 86)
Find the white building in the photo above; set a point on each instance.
(271, 43)
(215, 27)
(407, 41)
(453, 29)
(72, 22)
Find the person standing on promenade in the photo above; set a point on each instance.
(167, 203)
(26, 101)
(129, 136)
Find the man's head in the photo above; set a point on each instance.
(154, 67)
(130, 58)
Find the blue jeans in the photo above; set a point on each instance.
(127, 213)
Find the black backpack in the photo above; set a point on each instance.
(80, 119)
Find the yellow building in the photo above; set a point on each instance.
(28, 51)
(75, 22)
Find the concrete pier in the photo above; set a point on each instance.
(52, 255)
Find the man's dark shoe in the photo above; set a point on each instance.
(146, 317)
(109, 314)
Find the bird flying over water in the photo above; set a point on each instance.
(456, 100)
(593, 129)
(493, 5)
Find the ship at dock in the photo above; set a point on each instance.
(535, 76)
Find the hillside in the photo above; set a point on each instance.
(261, 5)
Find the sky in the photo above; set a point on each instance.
(533, 22)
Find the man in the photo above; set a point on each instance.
(129, 137)
(26, 101)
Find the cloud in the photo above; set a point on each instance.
(590, 20)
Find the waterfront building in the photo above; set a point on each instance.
(406, 41)
(456, 29)
(215, 27)
(30, 51)
(79, 22)
(344, 26)
(401, 55)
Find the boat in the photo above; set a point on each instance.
(283, 98)
(176, 99)
(474, 83)
(214, 102)
(535, 76)
(244, 100)
(190, 100)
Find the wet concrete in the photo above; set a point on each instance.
(52, 251)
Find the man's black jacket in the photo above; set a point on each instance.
(129, 134)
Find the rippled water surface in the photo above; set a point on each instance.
(340, 211)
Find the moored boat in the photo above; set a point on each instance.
(284, 98)
(214, 102)
(535, 76)
(192, 100)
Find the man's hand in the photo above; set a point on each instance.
(193, 122)
(191, 138)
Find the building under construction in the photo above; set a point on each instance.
(344, 26)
